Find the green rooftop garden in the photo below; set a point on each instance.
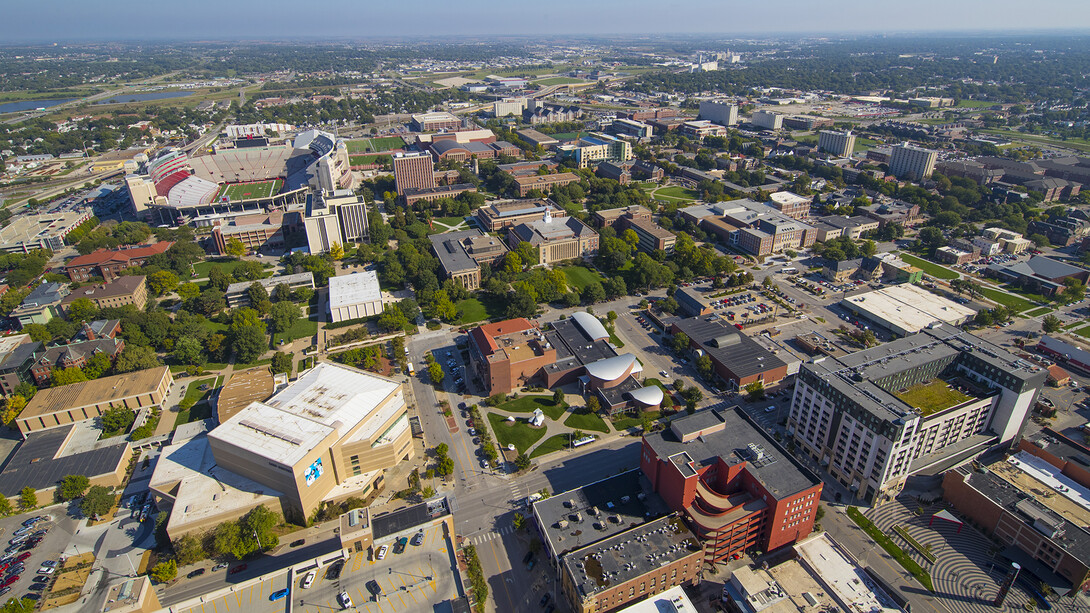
(932, 397)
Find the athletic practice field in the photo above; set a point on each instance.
(374, 145)
(247, 191)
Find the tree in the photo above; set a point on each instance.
(435, 373)
(392, 319)
(593, 406)
(5, 506)
(755, 390)
(135, 358)
(522, 462)
(558, 396)
(235, 248)
(284, 315)
(188, 350)
(445, 466)
(188, 291)
(1073, 291)
(512, 263)
(260, 522)
(281, 362)
(97, 365)
(28, 498)
(210, 302)
(38, 332)
(705, 367)
(336, 251)
(13, 405)
(66, 376)
(518, 521)
(593, 292)
(443, 308)
(117, 419)
(679, 342)
(19, 605)
(249, 343)
(256, 293)
(73, 486)
(97, 502)
(167, 570)
(82, 309)
(162, 281)
(692, 396)
(521, 304)
(218, 279)
(1051, 324)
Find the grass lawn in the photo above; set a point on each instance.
(303, 328)
(551, 444)
(375, 158)
(477, 309)
(527, 404)
(676, 192)
(587, 421)
(244, 366)
(246, 191)
(197, 413)
(226, 266)
(630, 421)
(1014, 303)
(613, 339)
(194, 393)
(939, 272)
(891, 548)
(568, 135)
(518, 433)
(862, 144)
(374, 145)
(1039, 312)
(558, 81)
(449, 221)
(1083, 332)
(933, 397)
(580, 276)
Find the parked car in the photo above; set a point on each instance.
(220, 566)
(278, 594)
(335, 569)
(196, 573)
(399, 546)
(374, 588)
(237, 569)
(345, 600)
(382, 552)
(418, 538)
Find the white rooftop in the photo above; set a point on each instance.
(908, 307)
(326, 399)
(1052, 477)
(672, 600)
(356, 288)
(848, 582)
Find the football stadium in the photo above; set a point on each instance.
(176, 188)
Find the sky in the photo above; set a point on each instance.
(68, 21)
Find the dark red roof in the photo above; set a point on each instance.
(124, 254)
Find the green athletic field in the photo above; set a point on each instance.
(374, 145)
(248, 191)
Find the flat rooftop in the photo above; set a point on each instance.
(776, 470)
(325, 399)
(44, 458)
(568, 520)
(1047, 485)
(624, 556)
(673, 600)
(742, 355)
(408, 518)
(848, 582)
(270, 283)
(907, 307)
(574, 347)
(356, 288)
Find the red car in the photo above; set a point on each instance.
(4, 566)
(9, 581)
(237, 569)
(23, 556)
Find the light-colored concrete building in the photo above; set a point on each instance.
(354, 296)
(557, 239)
(840, 144)
(719, 111)
(237, 294)
(912, 163)
(334, 217)
(768, 120)
(462, 253)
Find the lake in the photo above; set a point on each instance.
(122, 98)
(30, 105)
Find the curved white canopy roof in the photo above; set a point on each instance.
(611, 368)
(647, 396)
(590, 325)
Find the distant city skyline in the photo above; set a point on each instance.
(64, 21)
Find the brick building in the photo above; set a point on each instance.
(130, 289)
(108, 263)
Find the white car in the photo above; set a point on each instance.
(382, 551)
(345, 600)
(309, 579)
(663, 373)
(46, 570)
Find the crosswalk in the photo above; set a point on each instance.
(480, 539)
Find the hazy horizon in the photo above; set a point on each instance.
(68, 21)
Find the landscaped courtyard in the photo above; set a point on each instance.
(518, 432)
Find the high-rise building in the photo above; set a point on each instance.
(920, 403)
(768, 120)
(334, 217)
(720, 112)
(840, 144)
(413, 171)
(913, 163)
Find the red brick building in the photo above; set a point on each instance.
(738, 489)
(108, 263)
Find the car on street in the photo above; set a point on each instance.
(345, 600)
(297, 543)
(770, 409)
(196, 573)
(237, 569)
(382, 552)
(278, 594)
(220, 566)
(309, 579)
(544, 599)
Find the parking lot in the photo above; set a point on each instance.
(252, 598)
(27, 582)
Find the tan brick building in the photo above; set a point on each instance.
(132, 289)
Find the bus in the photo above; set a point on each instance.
(409, 367)
(790, 270)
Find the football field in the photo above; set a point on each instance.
(374, 145)
(247, 191)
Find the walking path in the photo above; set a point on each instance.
(553, 427)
